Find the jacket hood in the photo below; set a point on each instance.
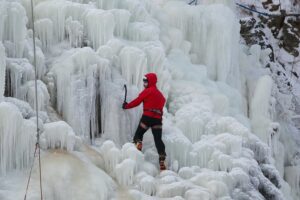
(152, 79)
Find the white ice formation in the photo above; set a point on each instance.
(222, 137)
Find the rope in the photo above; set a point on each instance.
(37, 146)
(259, 12)
(30, 172)
(193, 1)
(252, 10)
(267, 14)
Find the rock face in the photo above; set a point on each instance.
(252, 31)
(281, 26)
(280, 32)
(290, 38)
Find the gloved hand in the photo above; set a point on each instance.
(124, 105)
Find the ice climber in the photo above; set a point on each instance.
(153, 103)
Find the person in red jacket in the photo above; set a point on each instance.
(153, 103)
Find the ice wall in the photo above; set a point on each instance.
(205, 128)
(2, 71)
(17, 139)
(214, 140)
(201, 25)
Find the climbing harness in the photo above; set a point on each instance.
(37, 145)
(156, 111)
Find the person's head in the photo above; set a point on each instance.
(145, 81)
(150, 80)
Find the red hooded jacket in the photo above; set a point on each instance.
(151, 97)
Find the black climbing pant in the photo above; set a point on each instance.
(156, 128)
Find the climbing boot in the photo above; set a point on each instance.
(139, 145)
(162, 164)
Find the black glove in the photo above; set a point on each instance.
(124, 105)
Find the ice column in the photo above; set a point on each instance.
(106, 5)
(74, 30)
(2, 71)
(19, 72)
(100, 26)
(13, 24)
(78, 98)
(17, 139)
(259, 108)
(56, 12)
(133, 65)
(121, 18)
(59, 135)
(44, 31)
(292, 176)
(27, 93)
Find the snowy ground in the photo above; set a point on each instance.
(224, 139)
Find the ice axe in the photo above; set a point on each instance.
(125, 87)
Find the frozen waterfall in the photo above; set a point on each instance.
(222, 138)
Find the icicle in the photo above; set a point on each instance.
(112, 158)
(125, 172)
(40, 58)
(259, 108)
(217, 188)
(99, 31)
(186, 173)
(121, 18)
(156, 62)
(74, 30)
(59, 135)
(20, 71)
(27, 93)
(3, 16)
(14, 29)
(194, 194)
(170, 190)
(2, 70)
(131, 152)
(147, 185)
(177, 145)
(133, 65)
(44, 31)
(106, 5)
(140, 31)
(56, 12)
(17, 139)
